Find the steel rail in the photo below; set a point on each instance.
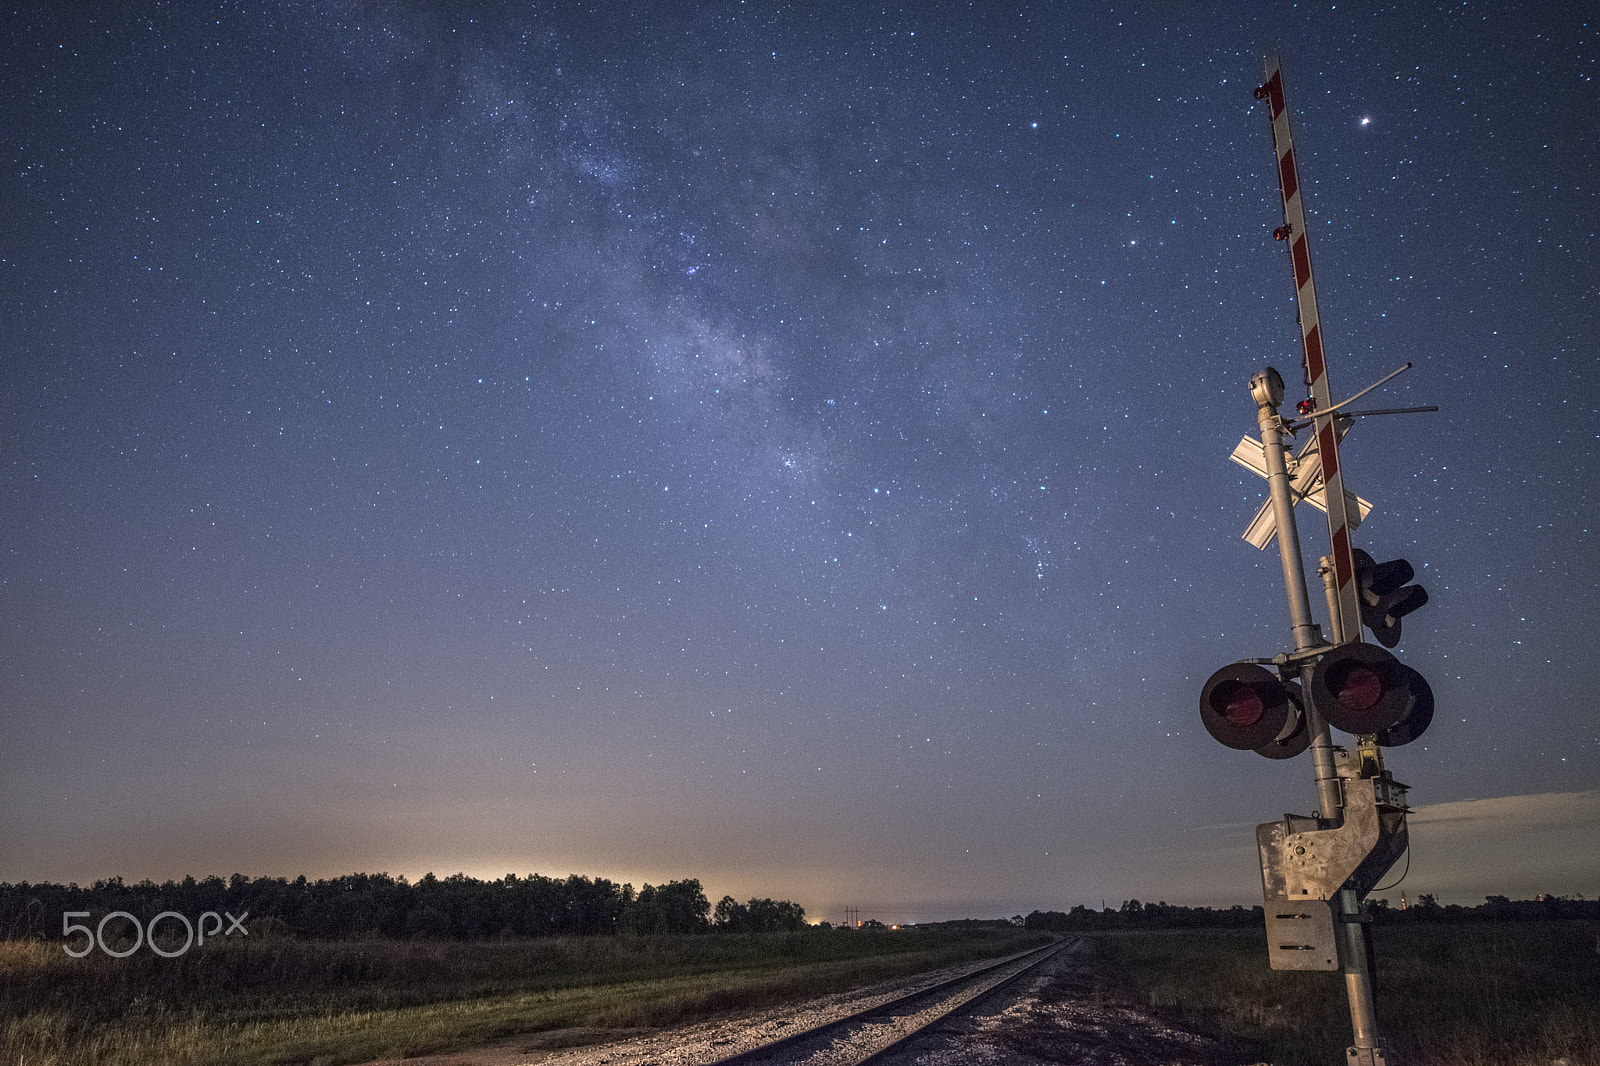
(777, 1047)
(944, 1016)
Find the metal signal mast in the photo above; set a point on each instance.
(1316, 869)
(1353, 949)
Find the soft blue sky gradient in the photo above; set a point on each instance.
(778, 445)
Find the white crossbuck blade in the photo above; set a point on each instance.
(1305, 482)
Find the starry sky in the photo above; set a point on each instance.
(779, 444)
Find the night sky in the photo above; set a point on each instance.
(784, 445)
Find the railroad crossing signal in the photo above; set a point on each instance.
(1315, 869)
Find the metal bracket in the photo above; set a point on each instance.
(1295, 658)
(1305, 862)
(1317, 863)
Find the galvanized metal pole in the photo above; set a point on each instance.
(1306, 633)
(1330, 794)
(1266, 388)
(1355, 959)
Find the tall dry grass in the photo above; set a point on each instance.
(1458, 993)
(275, 1001)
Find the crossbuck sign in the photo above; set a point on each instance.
(1305, 471)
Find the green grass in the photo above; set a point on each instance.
(281, 1001)
(1459, 993)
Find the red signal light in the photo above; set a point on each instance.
(1360, 688)
(1244, 706)
(1355, 686)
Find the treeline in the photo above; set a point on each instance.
(451, 908)
(1135, 915)
(1427, 908)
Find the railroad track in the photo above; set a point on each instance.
(873, 1034)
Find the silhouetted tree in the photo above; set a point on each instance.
(675, 907)
(757, 916)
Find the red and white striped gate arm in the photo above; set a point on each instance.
(1347, 627)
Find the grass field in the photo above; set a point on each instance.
(282, 1000)
(1458, 993)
